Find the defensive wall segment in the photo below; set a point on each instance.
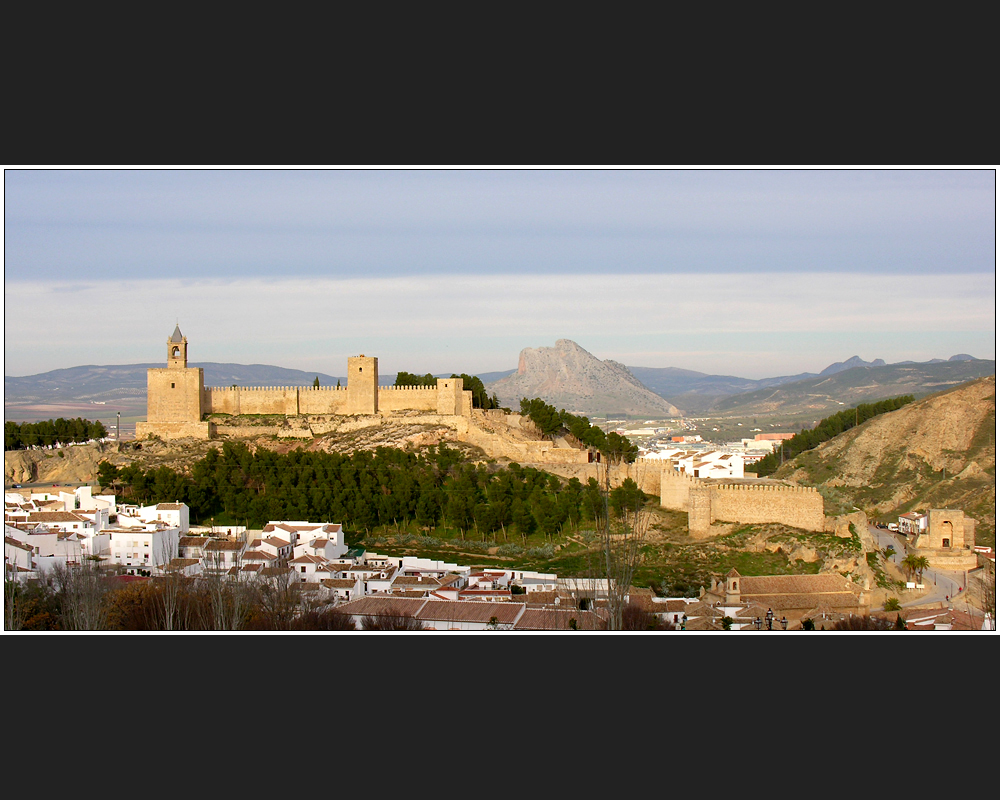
(706, 503)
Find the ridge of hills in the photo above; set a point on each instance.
(937, 452)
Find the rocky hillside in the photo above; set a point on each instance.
(567, 376)
(938, 452)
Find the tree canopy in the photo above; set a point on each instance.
(612, 446)
(827, 429)
(49, 432)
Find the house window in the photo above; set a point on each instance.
(946, 542)
(171, 386)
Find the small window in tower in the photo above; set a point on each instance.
(171, 386)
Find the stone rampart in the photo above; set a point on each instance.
(797, 506)
(407, 398)
(324, 400)
(173, 430)
(675, 489)
(707, 503)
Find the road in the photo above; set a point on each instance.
(943, 584)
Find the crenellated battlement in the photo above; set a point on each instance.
(707, 503)
(275, 388)
(177, 397)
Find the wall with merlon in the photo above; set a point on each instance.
(675, 489)
(799, 507)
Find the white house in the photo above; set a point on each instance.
(141, 548)
(302, 535)
(18, 556)
(173, 515)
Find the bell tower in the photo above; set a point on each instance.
(175, 396)
(177, 349)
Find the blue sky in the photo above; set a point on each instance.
(751, 273)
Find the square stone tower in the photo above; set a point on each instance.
(362, 385)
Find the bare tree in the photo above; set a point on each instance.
(82, 589)
(13, 604)
(390, 622)
(622, 525)
(231, 594)
(278, 599)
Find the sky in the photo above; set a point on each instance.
(753, 273)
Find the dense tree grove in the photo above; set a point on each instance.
(612, 446)
(480, 399)
(21, 436)
(366, 491)
(827, 429)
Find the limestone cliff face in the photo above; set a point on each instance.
(567, 376)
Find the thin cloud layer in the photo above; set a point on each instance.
(439, 323)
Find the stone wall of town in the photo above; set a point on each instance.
(800, 507)
(707, 503)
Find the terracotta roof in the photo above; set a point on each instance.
(457, 611)
(411, 582)
(15, 543)
(796, 584)
(308, 559)
(55, 516)
(259, 555)
(557, 619)
(383, 604)
(539, 598)
(339, 583)
(222, 544)
(169, 506)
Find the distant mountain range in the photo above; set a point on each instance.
(566, 376)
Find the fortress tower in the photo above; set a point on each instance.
(362, 385)
(174, 395)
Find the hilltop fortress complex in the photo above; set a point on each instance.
(177, 400)
(179, 405)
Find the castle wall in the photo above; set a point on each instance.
(324, 400)
(173, 430)
(675, 489)
(791, 505)
(407, 398)
(700, 517)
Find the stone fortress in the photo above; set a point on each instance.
(178, 404)
(177, 400)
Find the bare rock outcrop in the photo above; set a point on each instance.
(567, 376)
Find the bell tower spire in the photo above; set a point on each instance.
(177, 350)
